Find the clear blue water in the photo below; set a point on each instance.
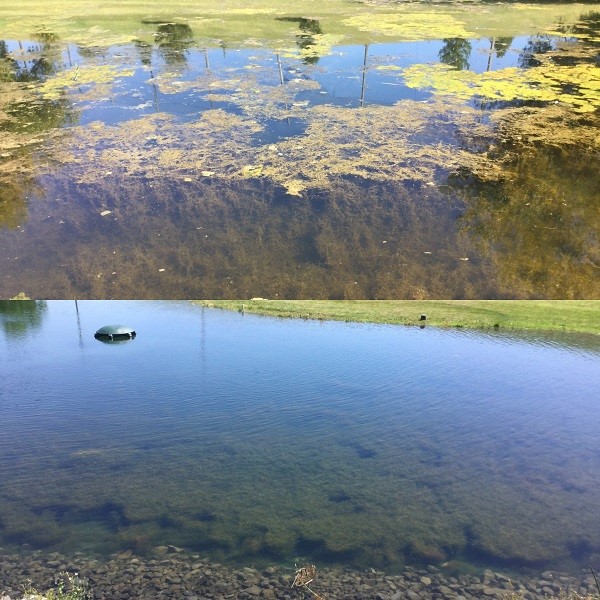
(339, 74)
(255, 439)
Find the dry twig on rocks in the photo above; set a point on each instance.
(304, 576)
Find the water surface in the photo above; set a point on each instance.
(255, 439)
(360, 152)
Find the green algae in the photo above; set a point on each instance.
(553, 79)
(377, 143)
(372, 143)
(359, 143)
(417, 143)
(545, 83)
(411, 26)
(72, 79)
(319, 44)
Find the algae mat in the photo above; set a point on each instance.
(482, 120)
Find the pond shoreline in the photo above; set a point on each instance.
(576, 316)
(173, 573)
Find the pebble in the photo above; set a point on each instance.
(171, 573)
(253, 590)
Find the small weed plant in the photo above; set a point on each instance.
(67, 586)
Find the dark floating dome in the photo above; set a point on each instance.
(114, 332)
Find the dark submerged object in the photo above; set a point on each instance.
(114, 332)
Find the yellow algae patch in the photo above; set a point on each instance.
(98, 37)
(411, 26)
(388, 68)
(554, 125)
(220, 120)
(171, 83)
(321, 44)
(294, 187)
(379, 143)
(251, 171)
(583, 80)
(169, 157)
(219, 143)
(71, 79)
(505, 84)
(546, 83)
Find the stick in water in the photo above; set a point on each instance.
(595, 578)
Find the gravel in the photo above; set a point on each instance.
(173, 573)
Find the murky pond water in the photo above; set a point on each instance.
(255, 439)
(351, 151)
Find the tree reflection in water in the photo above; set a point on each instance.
(173, 40)
(17, 318)
(455, 52)
(541, 227)
(306, 39)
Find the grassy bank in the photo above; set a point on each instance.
(532, 315)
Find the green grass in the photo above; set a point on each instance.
(525, 315)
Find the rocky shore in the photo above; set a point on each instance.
(174, 574)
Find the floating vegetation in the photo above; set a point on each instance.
(553, 126)
(76, 78)
(379, 142)
(252, 171)
(546, 83)
(317, 45)
(272, 21)
(411, 26)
